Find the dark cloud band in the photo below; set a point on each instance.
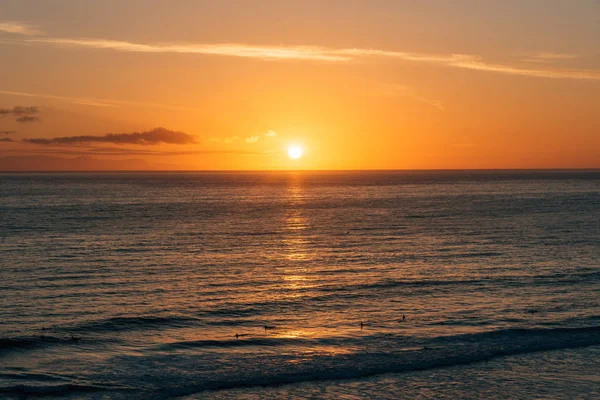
(155, 136)
(27, 118)
(19, 111)
(22, 114)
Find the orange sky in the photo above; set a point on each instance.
(358, 84)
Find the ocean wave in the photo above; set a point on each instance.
(426, 216)
(33, 342)
(513, 281)
(61, 335)
(442, 352)
(374, 354)
(21, 376)
(555, 332)
(391, 283)
(243, 341)
(119, 324)
(13, 343)
(30, 342)
(256, 340)
(48, 390)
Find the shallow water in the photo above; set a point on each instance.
(156, 273)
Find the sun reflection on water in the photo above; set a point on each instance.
(297, 252)
(296, 225)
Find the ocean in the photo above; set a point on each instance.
(225, 285)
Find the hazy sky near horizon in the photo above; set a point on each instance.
(357, 84)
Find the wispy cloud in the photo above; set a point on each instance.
(6, 139)
(405, 91)
(7, 132)
(319, 53)
(549, 57)
(304, 53)
(19, 28)
(271, 134)
(155, 136)
(252, 139)
(578, 74)
(237, 50)
(86, 101)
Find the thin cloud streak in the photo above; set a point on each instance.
(91, 101)
(575, 74)
(473, 62)
(19, 28)
(405, 91)
(549, 56)
(237, 50)
(544, 55)
(322, 54)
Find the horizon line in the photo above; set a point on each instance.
(593, 169)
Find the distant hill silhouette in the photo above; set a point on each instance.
(48, 163)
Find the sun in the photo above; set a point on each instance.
(295, 152)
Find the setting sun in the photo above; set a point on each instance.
(295, 152)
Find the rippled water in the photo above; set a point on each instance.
(157, 273)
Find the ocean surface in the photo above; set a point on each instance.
(135, 285)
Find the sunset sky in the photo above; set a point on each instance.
(378, 84)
